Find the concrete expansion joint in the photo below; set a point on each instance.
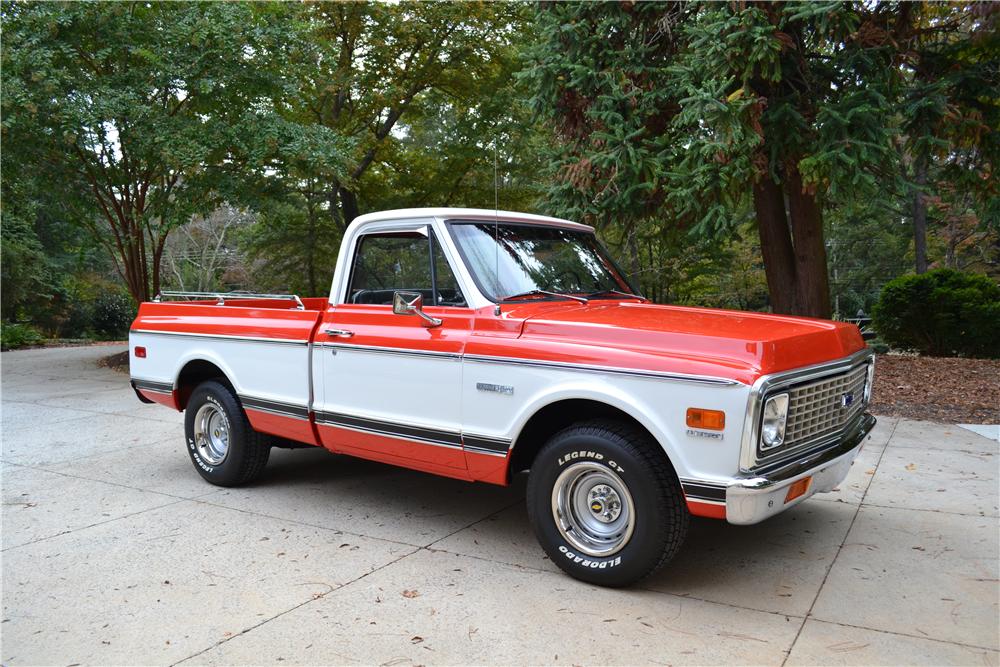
(840, 547)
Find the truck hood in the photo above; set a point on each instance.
(703, 341)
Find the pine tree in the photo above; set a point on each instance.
(690, 112)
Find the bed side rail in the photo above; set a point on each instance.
(221, 297)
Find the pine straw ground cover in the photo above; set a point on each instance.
(950, 390)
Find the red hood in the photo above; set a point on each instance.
(704, 341)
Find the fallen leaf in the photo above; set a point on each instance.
(410, 594)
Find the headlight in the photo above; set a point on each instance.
(772, 429)
(869, 381)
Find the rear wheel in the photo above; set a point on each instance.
(606, 504)
(224, 448)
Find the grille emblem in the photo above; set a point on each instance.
(847, 400)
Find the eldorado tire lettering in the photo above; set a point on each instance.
(593, 564)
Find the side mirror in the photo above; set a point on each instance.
(412, 303)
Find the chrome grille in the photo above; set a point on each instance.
(818, 409)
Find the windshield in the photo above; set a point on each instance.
(535, 257)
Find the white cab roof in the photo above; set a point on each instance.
(466, 214)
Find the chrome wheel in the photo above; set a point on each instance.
(593, 508)
(211, 434)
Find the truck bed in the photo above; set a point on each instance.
(262, 344)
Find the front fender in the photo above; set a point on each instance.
(659, 406)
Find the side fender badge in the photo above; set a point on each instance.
(711, 435)
(496, 388)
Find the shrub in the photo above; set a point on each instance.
(112, 315)
(13, 336)
(941, 313)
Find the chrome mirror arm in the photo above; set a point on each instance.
(412, 303)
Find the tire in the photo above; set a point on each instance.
(606, 504)
(223, 447)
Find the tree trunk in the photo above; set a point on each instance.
(920, 212)
(634, 262)
(811, 273)
(311, 252)
(161, 243)
(775, 245)
(348, 205)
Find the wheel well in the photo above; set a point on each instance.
(193, 374)
(555, 417)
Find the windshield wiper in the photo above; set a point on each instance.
(535, 292)
(615, 292)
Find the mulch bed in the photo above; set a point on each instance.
(116, 362)
(954, 391)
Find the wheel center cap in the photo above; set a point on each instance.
(604, 503)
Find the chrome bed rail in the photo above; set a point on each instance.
(221, 297)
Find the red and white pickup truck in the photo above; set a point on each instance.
(479, 344)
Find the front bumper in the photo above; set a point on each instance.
(758, 496)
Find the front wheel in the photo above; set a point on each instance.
(606, 504)
(224, 448)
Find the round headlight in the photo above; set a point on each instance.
(772, 428)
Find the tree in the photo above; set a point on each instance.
(293, 245)
(148, 113)
(26, 270)
(446, 157)
(693, 111)
(203, 256)
(950, 116)
(376, 65)
(425, 92)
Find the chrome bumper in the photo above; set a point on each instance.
(756, 497)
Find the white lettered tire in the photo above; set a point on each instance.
(606, 504)
(223, 447)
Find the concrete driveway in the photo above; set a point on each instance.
(116, 552)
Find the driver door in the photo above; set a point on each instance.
(391, 384)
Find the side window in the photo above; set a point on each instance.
(385, 263)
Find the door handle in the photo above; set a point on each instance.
(343, 333)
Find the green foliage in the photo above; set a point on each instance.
(868, 245)
(421, 91)
(378, 67)
(942, 313)
(144, 114)
(226, 145)
(293, 245)
(14, 336)
(113, 313)
(25, 269)
(683, 114)
(949, 117)
(88, 306)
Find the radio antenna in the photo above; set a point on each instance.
(496, 223)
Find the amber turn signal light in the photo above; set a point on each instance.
(797, 489)
(712, 420)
